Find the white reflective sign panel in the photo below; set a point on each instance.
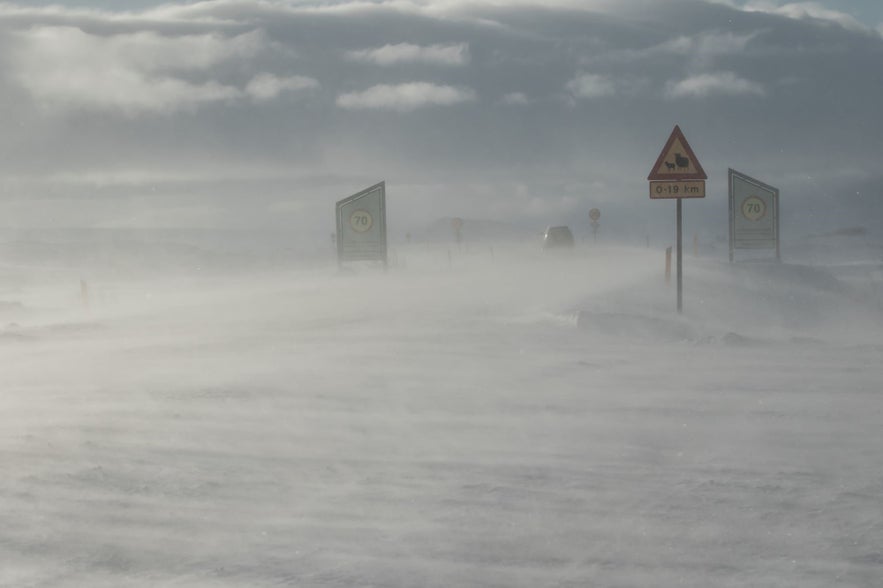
(361, 225)
(754, 211)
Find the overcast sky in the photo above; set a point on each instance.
(262, 113)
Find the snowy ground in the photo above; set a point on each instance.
(505, 419)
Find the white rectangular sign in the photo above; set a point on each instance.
(677, 189)
(754, 214)
(361, 225)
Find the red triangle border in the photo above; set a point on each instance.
(699, 174)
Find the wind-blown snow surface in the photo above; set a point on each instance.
(508, 419)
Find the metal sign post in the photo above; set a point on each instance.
(594, 215)
(680, 258)
(457, 226)
(677, 174)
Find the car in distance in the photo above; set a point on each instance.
(558, 238)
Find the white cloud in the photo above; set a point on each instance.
(66, 68)
(722, 83)
(590, 86)
(266, 86)
(343, 7)
(457, 54)
(516, 99)
(808, 10)
(405, 97)
(44, 47)
(701, 49)
(706, 47)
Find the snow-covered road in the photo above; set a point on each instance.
(508, 420)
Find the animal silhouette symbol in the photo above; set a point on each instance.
(670, 166)
(681, 161)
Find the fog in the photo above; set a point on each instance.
(481, 415)
(197, 391)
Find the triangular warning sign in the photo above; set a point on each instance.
(677, 160)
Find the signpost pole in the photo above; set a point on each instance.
(732, 205)
(680, 259)
(594, 215)
(778, 238)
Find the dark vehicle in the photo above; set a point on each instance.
(558, 238)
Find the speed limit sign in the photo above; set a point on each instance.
(361, 221)
(361, 226)
(753, 208)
